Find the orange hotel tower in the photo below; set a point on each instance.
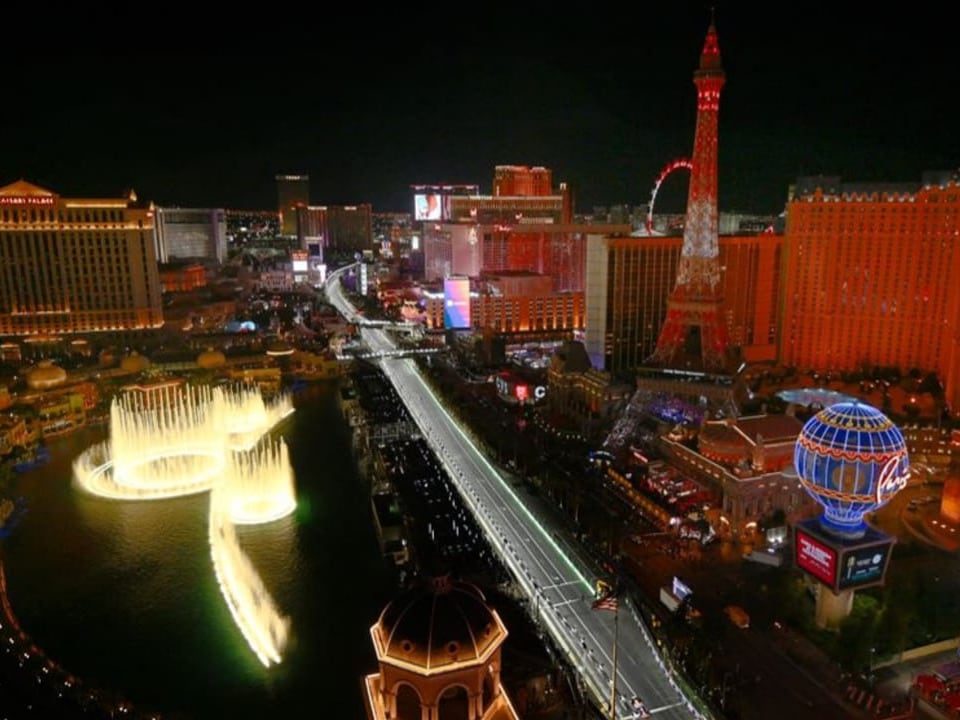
(870, 277)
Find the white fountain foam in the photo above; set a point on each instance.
(197, 438)
(253, 609)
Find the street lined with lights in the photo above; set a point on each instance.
(560, 588)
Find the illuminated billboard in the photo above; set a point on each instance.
(432, 202)
(816, 558)
(428, 206)
(456, 303)
(299, 261)
(842, 563)
(863, 566)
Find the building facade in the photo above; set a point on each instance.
(191, 234)
(336, 228)
(556, 250)
(552, 314)
(72, 266)
(629, 281)
(869, 277)
(293, 192)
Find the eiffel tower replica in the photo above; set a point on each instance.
(693, 358)
(694, 335)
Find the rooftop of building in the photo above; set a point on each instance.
(438, 626)
(749, 430)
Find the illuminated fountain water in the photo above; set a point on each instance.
(259, 485)
(189, 440)
(177, 444)
(252, 607)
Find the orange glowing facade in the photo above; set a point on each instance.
(75, 266)
(555, 250)
(629, 281)
(870, 277)
(182, 277)
(522, 180)
(551, 313)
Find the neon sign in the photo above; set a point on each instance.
(26, 200)
(889, 481)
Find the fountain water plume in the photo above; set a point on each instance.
(182, 441)
(253, 609)
(259, 484)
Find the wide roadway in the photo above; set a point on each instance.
(559, 586)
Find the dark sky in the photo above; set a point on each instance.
(194, 110)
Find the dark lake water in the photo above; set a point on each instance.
(123, 594)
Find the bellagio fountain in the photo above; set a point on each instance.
(188, 439)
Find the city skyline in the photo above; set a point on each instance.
(605, 103)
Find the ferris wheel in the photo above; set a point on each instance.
(678, 164)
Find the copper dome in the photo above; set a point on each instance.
(439, 626)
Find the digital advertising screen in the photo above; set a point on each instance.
(456, 303)
(863, 566)
(816, 558)
(427, 206)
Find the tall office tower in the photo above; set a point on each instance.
(191, 234)
(293, 191)
(870, 275)
(693, 335)
(76, 266)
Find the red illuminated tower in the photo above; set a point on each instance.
(693, 335)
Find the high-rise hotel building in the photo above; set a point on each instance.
(870, 277)
(629, 279)
(293, 192)
(72, 266)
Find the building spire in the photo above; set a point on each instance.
(710, 55)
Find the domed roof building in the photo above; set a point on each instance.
(438, 648)
(134, 363)
(46, 375)
(210, 359)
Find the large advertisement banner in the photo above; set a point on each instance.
(816, 558)
(427, 206)
(863, 566)
(456, 303)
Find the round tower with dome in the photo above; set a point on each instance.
(438, 650)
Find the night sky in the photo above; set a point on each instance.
(200, 111)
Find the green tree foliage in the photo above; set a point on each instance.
(857, 636)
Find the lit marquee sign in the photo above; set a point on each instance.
(26, 200)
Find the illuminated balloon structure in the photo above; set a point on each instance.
(852, 459)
